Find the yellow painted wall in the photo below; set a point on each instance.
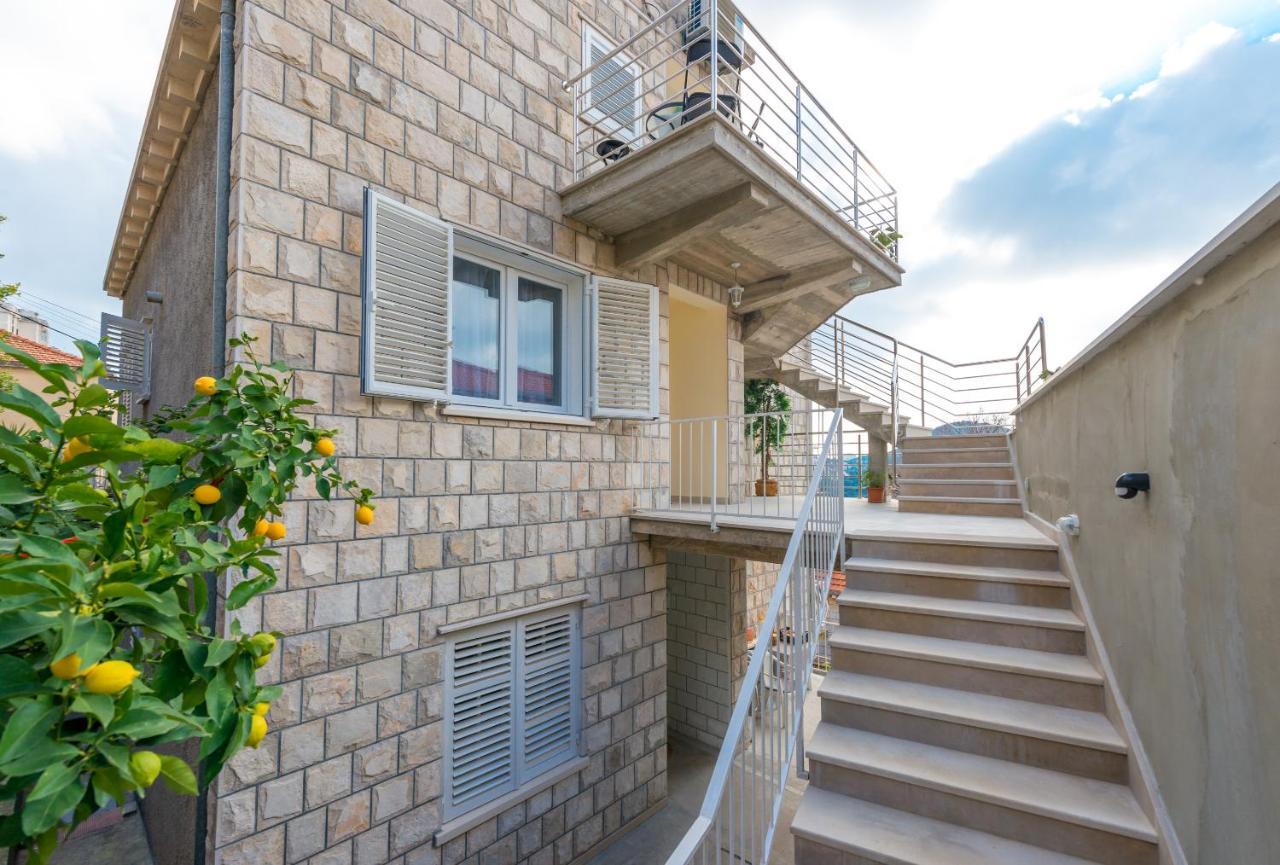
(699, 337)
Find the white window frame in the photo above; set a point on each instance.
(511, 266)
(593, 37)
(523, 774)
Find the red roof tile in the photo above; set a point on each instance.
(38, 350)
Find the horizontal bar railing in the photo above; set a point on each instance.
(765, 738)
(673, 71)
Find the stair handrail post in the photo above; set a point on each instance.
(1044, 355)
(715, 466)
(715, 57)
(893, 409)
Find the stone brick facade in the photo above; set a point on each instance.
(455, 108)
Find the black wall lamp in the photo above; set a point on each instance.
(1129, 484)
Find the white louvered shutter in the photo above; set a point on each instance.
(480, 720)
(614, 95)
(624, 349)
(126, 353)
(408, 269)
(547, 698)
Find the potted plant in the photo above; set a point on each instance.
(874, 482)
(766, 405)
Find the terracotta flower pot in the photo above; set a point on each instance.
(875, 495)
(767, 488)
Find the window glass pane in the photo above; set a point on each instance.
(540, 329)
(477, 329)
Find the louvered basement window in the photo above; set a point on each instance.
(126, 353)
(614, 100)
(512, 692)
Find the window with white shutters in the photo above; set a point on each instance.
(511, 706)
(408, 262)
(126, 353)
(614, 96)
(625, 350)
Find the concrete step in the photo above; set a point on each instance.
(1003, 671)
(1050, 737)
(829, 826)
(998, 470)
(975, 583)
(950, 456)
(956, 442)
(1001, 489)
(991, 551)
(1094, 820)
(965, 505)
(1045, 629)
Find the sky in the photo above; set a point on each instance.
(1053, 160)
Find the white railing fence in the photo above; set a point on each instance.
(718, 464)
(765, 739)
(667, 76)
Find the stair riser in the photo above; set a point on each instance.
(961, 589)
(926, 443)
(808, 852)
(1002, 745)
(951, 628)
(974, 489)
(972, 455)
(1048, 833)
(958, 554)
(962, 472)
(1000, 683)
(973, 509)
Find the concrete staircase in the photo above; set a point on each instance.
(958, 475)
(874, 417)
(962, 722)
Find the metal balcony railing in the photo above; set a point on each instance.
(668, 75)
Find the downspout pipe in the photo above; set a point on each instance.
(218, 313)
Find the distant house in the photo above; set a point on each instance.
(25, 377)
(993, 426)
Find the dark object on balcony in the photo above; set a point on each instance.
(697, 105)
(611, 150)
(664, 119)
(1129, 484)
(700, 49)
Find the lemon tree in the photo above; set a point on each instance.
(108, 538)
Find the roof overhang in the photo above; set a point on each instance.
(186, 70)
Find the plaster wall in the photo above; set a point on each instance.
(1183, 582)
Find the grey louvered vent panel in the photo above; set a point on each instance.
(126, 353)
(481, 759)
(408, 265)
(613, 88)
(626, 333)
(547, 691)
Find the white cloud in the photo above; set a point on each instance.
(76, 72)
(1274, 37)
(1189, 53)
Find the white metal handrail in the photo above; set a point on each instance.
(765, 737)
(677, 69)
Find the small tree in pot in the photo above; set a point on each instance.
(874, 482)
(766, 405)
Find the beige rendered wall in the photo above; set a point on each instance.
(1184, 583)
(32, 382)
(699, 333)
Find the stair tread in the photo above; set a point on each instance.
(901, 838)
(976, 572)
(960, 608)
(1070, 798)
(1038, 720)
(989, 448)
(1054, 665)
(1025, 541)
(965, 438)
(969, 500)
(910, 465)
(956, 481)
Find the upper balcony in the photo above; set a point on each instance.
(767, 191)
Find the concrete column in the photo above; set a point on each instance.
(877, 455)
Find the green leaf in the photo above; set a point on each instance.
(93, 396)
(29, 404)
(15, 491)
(43, 814)
(246, 591)
(162, 476)
(99, 706)
(160, 450)
(90, 638)
(178, 775)
(41, 753)
(17, 678)
(54, 779)
(18, 625)
(142, 723)
(90, 424)
(108, 786)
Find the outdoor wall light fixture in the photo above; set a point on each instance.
(1129, 484)
(736, 290)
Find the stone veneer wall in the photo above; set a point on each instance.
(456, 108)
(699, 647)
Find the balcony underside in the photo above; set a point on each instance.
(705, 197)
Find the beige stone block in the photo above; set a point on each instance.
(385, 17)
(532, 572)
(328, 693)
(337, 352)
(260, 849)
(270, 209)
(378, 437)
(323, 225)
(255, 250)
(262, 297)
(355, 644)
(331, 64)
(420, 744)
(328, 781)
(304, 654)
(414, 590)
(308, 94)
(251, 765)
(348, 817)
(299, 262)
(456, 127)
(392, 797)
(277, 37)
(293, 346)
(365, 159)
(311, 565)
(236, 815)
(352, 729)
(375, 763)
(348, 112)
(280, 798)
(454, 199)
(353, 35)
(305, 835)
(333, 605)
(379, 679)
(377, 598)
(446, 441)
(371, 83)
(262, 74)
(285, 612)
(315, 307)
(340, 270)
(274, 123)
(413, 828)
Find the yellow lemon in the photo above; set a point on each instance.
(261, 709)
(109, 677)
(75, 447)
(145, 766)
(261, 527)
(364, 515)
(66, 668)
(325, 447)
(257, 730)
(207, 494)
(276, 531)
(206, 385)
